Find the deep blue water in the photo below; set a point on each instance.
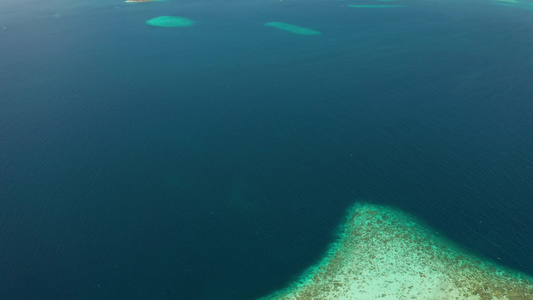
(215, 161)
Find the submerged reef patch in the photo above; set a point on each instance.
(137, 1)
(293, 28)
(374, 6)
(170, 21)
(515, 3)
(384, 253)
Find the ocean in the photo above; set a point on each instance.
(216, 161)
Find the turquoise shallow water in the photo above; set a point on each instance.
(384, 253)
(215, 161)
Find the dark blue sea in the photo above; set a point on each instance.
(216, 161)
